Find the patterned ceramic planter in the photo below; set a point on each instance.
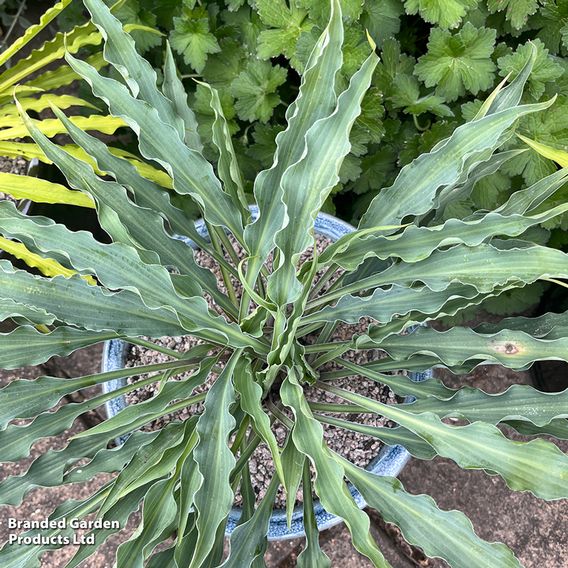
(389, 461)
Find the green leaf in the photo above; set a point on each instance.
(391, 436)
(214, 498)
(248, 541)
(549, 326)
(536, 466)
(255, 90)
(518, 402)
(545, 69)
(134, 15)
(73, 301)
(512, 349)
(227, 165)
(445, 13)
(451, 157)
(330, 487)
(417, 243)
(382, 19)
(48, 469)
(310, 105)
(312, 555)
(158, 521)
(35, 396)
(250, 393)
(191, 173)
(517, 11)
(406, 94)
(119, 50)
(458, 63)
(385, 305)
(130, 417)
(549, 128)
(450, 534)
(28, 346)
(286, 23)
(293, 466)
(192, 38)
(552, 19)
(173, 89)
(307, 183)
(121, 512)
(32, 31)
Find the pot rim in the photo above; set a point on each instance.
(389, 461)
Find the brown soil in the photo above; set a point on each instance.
(12, 166)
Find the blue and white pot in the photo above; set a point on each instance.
(390, 461)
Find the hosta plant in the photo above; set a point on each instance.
(399, 268)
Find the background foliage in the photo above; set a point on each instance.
(439, 58)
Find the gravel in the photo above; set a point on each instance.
(12, 166)
(359, 449)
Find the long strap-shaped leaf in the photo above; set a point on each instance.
(29, 556)
(120, 513)
(400, 384)
(170, 391)
(31, 150)
(530, 198)
(28, 346)
(214, 498)
(158, 522)
(307, 435)
(48, 469)
(50, 126)
(251, 402)
(307, 183)
(190, 172)
(50, 51)
(117, 266)
(35, 396)
(47, 266)
(128, 222)
(59, 77)
(547, 326)
(173, 88)
(417, 243)
(73, 301)
(32, 31)
(415, 445)
(18, 439)
(147, 193)
(227, 165)
(415, 188)
(485, 266)
(443, 534)
(513, 349)
(518, 402)
(248, 541)
(120, 51)
(536, 466)
(386, 304)
(44, 102)
(10, 309)
(463, 187)
(312, 555)
(310, 105)
(41, 191)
